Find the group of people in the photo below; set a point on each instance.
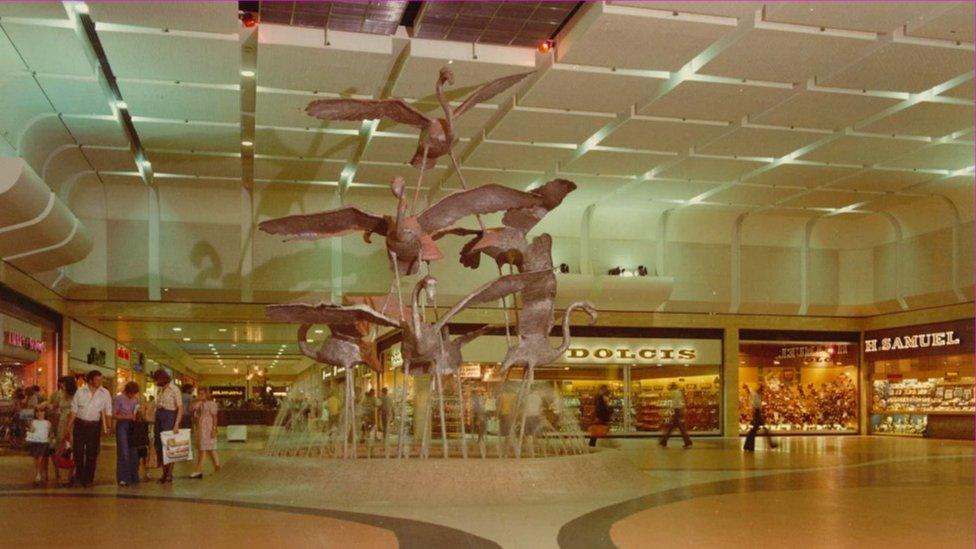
(70, 425)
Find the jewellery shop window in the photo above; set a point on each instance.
(810, 387)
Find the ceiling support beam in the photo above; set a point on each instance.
(586, 259)
(661, 268)
(153, 284)
(735, 271)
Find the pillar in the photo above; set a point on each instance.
(730, 382)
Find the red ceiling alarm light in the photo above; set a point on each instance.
(248, 19)
(546, 46)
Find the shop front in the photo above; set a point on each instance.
(30, 344)
(636, 365)
(810, 381)
(922, 380)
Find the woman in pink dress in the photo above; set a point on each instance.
(205, 420)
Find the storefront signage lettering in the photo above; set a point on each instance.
(18, 340)
(95, 357)
(472, 371)
(917, 341)
(811, 351)
(645, 354)
(122, 353)
(227, 392)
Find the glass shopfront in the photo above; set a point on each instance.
(636, 371)
(922, 380)
(810, 386)
(30, 337)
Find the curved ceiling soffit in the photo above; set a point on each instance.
(899, 234)
(956, 224)
(38, 232)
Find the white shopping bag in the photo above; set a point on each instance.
(176, 447)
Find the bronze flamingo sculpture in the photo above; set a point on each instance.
(345, 347)
(409, 238)
(437, 136)
(428, 344)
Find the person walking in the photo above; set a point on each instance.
(205, 420)
(38, 443)
(91, 411)
(601, 415)
(386, 410)
(60, 409)
(677, 417)
(126, 411)
(756, 399)
(479, 416)
(369, 414)
(169, 412)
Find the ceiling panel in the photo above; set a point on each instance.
(600, 162)
(712, 101)
(300, 170)
(383, 174)
(74, 95)
(800, 175)
(475, 177)
(219, 17)
(201, 165)
(104, 131)
(164, 56)
(507, 23)
(962, 91)
(779, 56)
(931, 119)
(468, 125)
(946, 156)
(888, 201)
(547, 127)
(502, 155)
(754, 195)
(110, 159)
(666, 190)
(288, 109)
(881, 180)
(869, 16)
(399, 148)
(34, 10)
(623, 40)
(181, 101)
(760, 142)
(192, 136)
(566, 88)
(372, 17)
(826, 199)
(965, 183)
(710, 169)
(954, 24)
(49, 49)
(322, 69)
(723, 9)
(861, 150)
(304, 144)
(663, 135)
(904, 67)
(828, 111)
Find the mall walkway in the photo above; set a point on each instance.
(811, 492)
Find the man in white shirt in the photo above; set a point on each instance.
(677, 417)
(91, 409)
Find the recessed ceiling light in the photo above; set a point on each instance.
(165, 289)
(186, 339)
(222, 330)
(247, 74)
(247, 143)
(233, 345)
(177, 329)
(122, 105)
(146, 164)
(320, 331)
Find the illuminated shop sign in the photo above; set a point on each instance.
(227, 392)
(916, 341)
(122, 353)
(823, 352)
(648, 351)
(472, 371)
(19, 340)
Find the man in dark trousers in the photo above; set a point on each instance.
(677, 417)
(757, 421)
(91, 409)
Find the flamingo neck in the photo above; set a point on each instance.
(442, 99)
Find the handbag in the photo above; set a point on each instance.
(176, 446)
(63, 458)
(597, 430)
(138, 434)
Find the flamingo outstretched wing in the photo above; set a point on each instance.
(325, 224)
(367, 109)
(482, 200)
(489, 90)
(493, 291)
(328, 313)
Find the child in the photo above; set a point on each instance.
(38, 445)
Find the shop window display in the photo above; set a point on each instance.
(652, 403)
(810, 387)
(906, 392)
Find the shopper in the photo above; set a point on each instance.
(479, 416)
(369, 414)
(205, 420)
(386, 410)
(677, 417)
(38, 443)
(126, 411)
(601, 414)
(169, 412)
(333, 405)
(91, 411)
(757, 421)
(60, 408)
(533, 412)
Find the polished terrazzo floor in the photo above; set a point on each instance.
(810, 492)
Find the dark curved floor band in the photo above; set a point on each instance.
(410, 534)
(592, 530)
